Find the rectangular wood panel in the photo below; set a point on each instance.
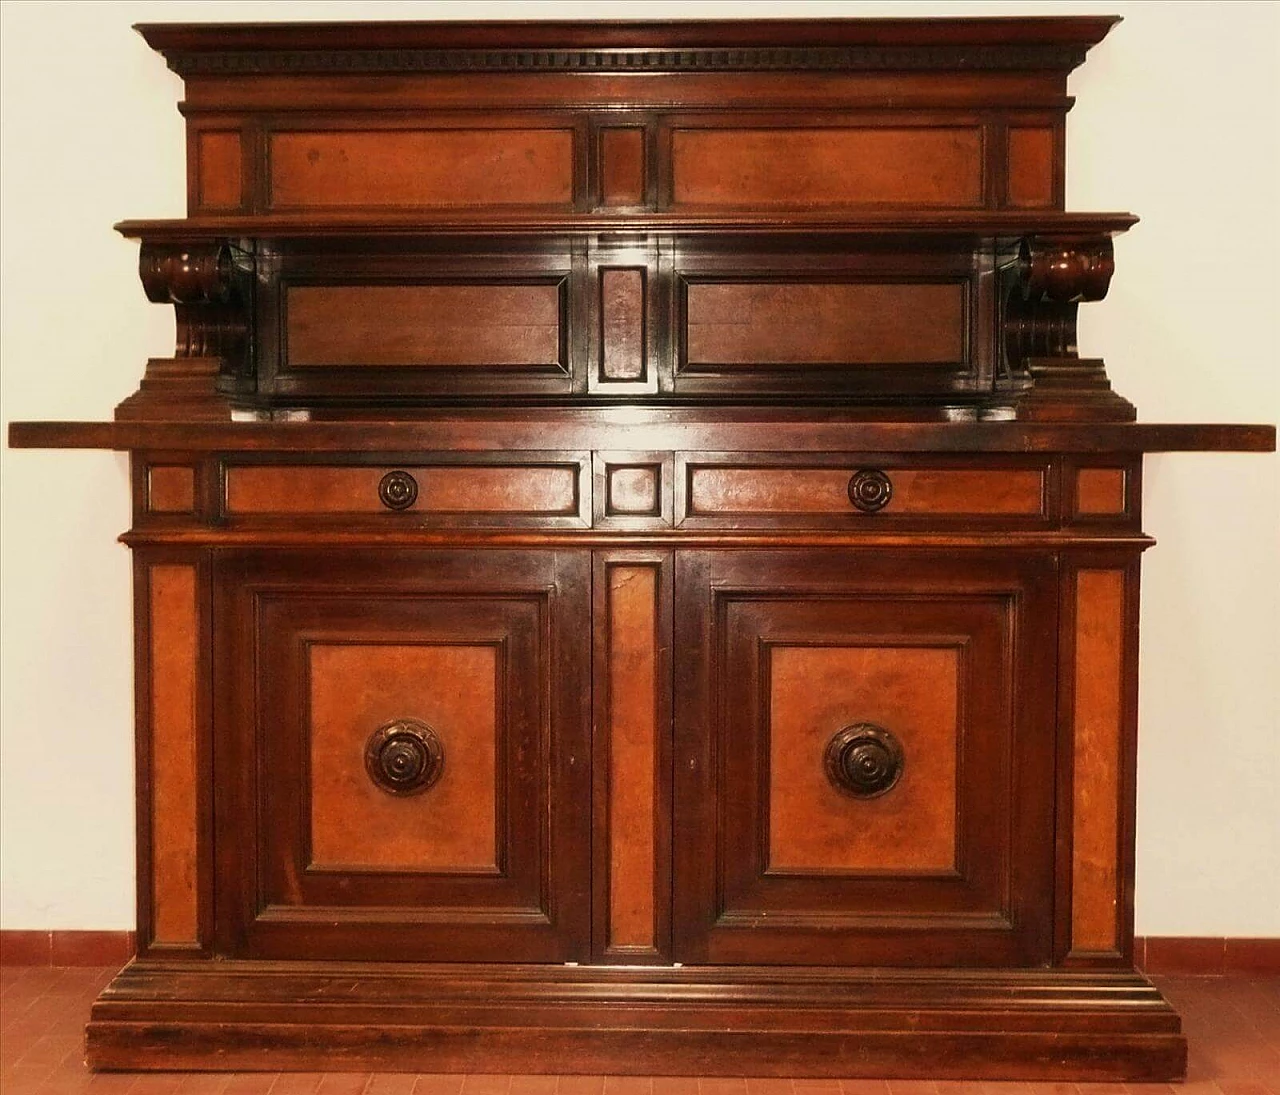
(1031, 167)
(421, 168)
(633, 733)
(438, 325)
(824, 323)
(174, 768)
(622, 167)
(800, 168)
(218, 157)
(357, 688)
(1098, 706)
(760, 490)
(622, 296)
(815, 691)
(461, 489)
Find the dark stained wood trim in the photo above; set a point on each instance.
(976, 223)
(1032, 1024)
(653, 428)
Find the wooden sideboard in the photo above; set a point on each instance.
(632, 573)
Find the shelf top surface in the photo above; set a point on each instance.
(1073, 32)
(897, 223)
(644, 428)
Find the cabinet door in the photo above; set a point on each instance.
(864, 758)
(402, 761)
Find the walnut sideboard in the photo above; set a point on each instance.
(631, 571)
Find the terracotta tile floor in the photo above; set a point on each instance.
(1233, 1024)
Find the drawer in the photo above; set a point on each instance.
(550, 492)
(735, 489)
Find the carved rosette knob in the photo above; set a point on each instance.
(870, 490)
(404, 757)
(398, 490)
(864, 760)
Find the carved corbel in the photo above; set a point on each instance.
(1043, 290)
(209, 284)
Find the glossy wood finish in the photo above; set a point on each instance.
(823, 324)
(174, 775)
(915, 693)
(1098, 758)
(1100, 491)
(503, 491)
(667, 598)
(408, 168)
(732, 903)
(632, 757)
(491, 863)
(424, 325)
(171, 489)
(662, 429)
(356, 689)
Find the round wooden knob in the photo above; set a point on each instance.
(864, 760)
(870, 490)
(398, 490)
(404, 757)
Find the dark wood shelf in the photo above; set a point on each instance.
(887, 223)
(639, 428)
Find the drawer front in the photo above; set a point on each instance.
(863, 746)
(553, 492)
(739, 490)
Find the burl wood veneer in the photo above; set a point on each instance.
(632, 573)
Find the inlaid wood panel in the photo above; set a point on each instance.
(741, 491)
(633, 745)
(1098, 712)
(635, 490)
(357, 688)
(421, 168)
(804, 167)
(171, 488)
(431, 326)
(503, 489)
(622, 166)
(174, 774)
(632, 688)
(823, 323)
(1032, 177)
(1100, 492)
(814, 691)
(218, 169)
(622, 335)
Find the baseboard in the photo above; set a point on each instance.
(1206, 955)
(65, 948)
(1152, 954)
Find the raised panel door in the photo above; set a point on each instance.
(864, 757)
(409, 774)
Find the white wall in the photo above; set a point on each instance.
(1178, 120)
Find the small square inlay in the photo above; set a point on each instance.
(1100, 491)
(635, 490)
(171, 489)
